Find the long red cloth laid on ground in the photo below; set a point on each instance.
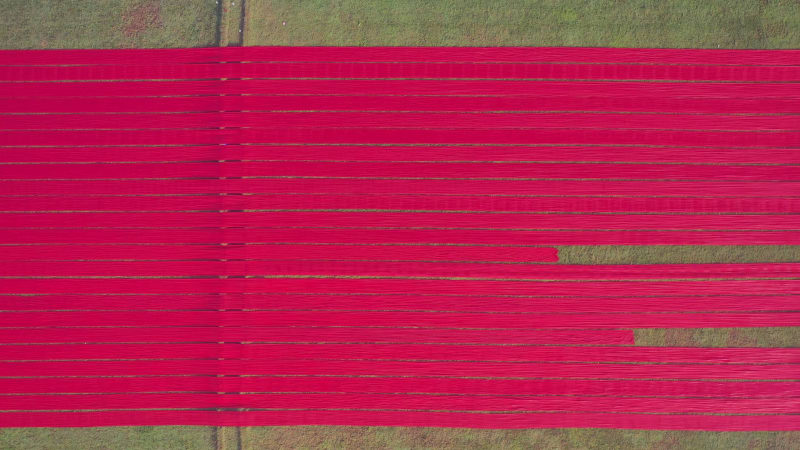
(574, 153)
(399, 401)
(401, 136)
(413, 268)
(46, 370)
(324, 235)
(400, 170)
(401, 418)
(647, 102)
(338, 334)
(397, 302)
(87, 121)
(506, 386)
(365, 236)
(376, 185)
(408, 87)
(569, 221)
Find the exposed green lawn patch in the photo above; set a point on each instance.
(719, 337)
(614, 23)
(677, 254)
(454, 438)
(107, 23)
(229, 25)
(108, 438)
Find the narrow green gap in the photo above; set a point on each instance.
(677, 254)
(719, 337)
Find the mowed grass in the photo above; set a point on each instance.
(107, 23)
(719, 337)
(192, 23)
(677, 254)
(449, 438)
(231, 15)
(612, 23)
(108, 438)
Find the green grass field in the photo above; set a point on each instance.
(107, 23)
(634, 23)
(610, 23)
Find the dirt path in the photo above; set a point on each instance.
(231, 22)
(230, 33)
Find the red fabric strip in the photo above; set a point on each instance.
(303, 266)
(325, 102)
(399, 186)
(450, 136)
(400, 219)
(400, 120)
(399, 302)
(391, 236)
(397, 169)
(418, 203)
(475, 386)
(400, 402)
(398, 352)
(644, 90)
(388, 319)
(369, 70)
(507, 153)
(283, 251)
(115, 137)
(320, 135)
(115, 251)
(404, 418)
(312, 335)
(388, 285)
(396, 154)
(418, 170)
(401, 368)
(118, 154)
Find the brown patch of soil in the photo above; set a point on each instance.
(141, 18)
